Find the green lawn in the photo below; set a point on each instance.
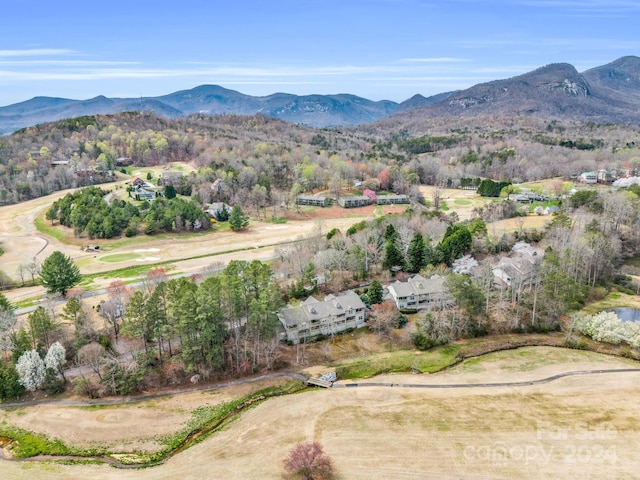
(43, 226)
(462, 201)
(430, 361)
(119, 257)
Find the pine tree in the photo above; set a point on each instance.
(59, 273)
(237, 219)
(393, 258)
(375, 292)
(169, 192)
(416, 258)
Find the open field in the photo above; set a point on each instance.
(582, 426)
(22, 241)
(131, 427)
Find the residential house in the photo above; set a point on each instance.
(143, 193)
(354, 201)
(604, 176)
(419, 293)
(138, 182)
(314, 317)
(218, 207)
(527, 197)
(314, 200)
(588, 178)
(142, 190)
(170, 178)
(59, 163)
(392, 199)
(518, 270)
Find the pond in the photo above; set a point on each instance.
(627, 314)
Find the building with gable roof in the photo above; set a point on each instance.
(314, 317)
(420, 293)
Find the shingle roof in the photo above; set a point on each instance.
(313, 309)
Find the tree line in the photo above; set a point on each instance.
(89, 214)
(264, 162)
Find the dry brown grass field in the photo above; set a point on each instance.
(581, 426)
(577, 427)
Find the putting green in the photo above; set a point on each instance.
(119, 257)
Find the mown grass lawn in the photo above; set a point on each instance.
(119, 257)
(400, 361)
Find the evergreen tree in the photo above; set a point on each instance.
(456, 242)
(4, 302)
(375, 292)
(59, 273)
(10, 386)
(393, 259)
(169, 192)
(416, 258)
(41, 327)
(390, 233)
(237, 219)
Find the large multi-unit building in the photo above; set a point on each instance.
(421, 293)
(354, 201)
(391, 199)
(313, 200)
(315, 317)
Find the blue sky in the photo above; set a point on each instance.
(378, 49)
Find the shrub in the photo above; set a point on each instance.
(423, 342)
(53, 383)
(576, 344)
(331, 233)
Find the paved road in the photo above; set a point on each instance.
(486, 385)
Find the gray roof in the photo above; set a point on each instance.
(418, 285)
(355, 197)
(291, 316)
(218, 206)
(400, 289)
(313, 309)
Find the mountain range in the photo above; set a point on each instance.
(610, 93)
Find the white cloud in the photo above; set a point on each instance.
(36, 52)
(434, 60)
(61, 63)
(584, 4)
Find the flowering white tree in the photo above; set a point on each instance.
(603, 327)
(632, 333)
(31, 370)
(55, 359)
(7, 324)
(464, 265)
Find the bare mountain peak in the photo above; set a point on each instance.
(610, 93)
(622, 74)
